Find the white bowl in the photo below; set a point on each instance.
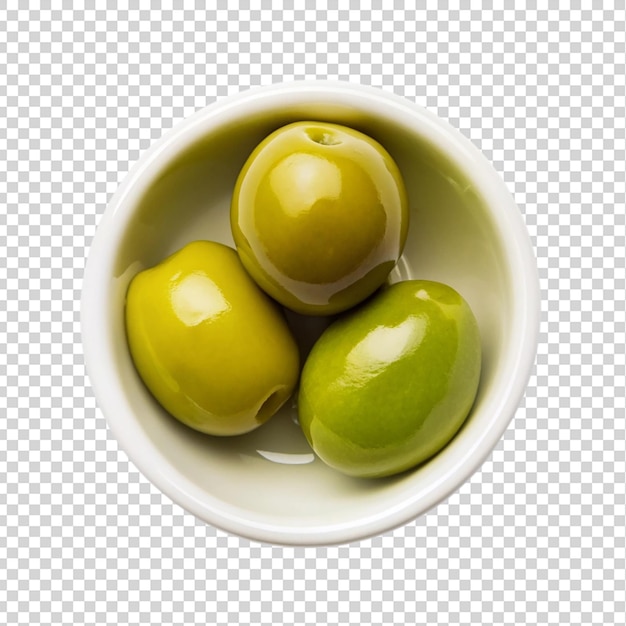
(466, 231)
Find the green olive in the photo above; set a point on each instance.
(212, 348)
(319, 216)
(390, 383)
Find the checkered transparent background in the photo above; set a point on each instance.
(537, 536)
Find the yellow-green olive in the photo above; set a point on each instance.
(319, 216)
(213, 349)
(390, 383)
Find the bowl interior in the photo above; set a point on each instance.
(268, 485)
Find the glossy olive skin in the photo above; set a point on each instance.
(389, 384)
(319, 216)
(212, 348)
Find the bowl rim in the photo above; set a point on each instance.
(100, 265)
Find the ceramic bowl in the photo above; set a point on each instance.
(466, 230)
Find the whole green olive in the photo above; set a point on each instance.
(213, 349)
(319, 216)
(390, 383)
